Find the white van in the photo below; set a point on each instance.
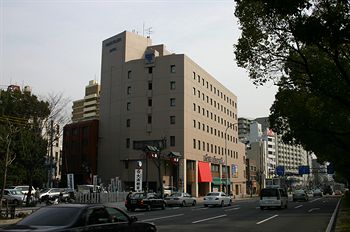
(273, 197)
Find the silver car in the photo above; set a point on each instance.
(14, 196)
(182, 199)
(300, 194)
(217, 198)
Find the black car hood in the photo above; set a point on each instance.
(23, 228)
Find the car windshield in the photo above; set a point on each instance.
(299, 191)
(51, 216)
(213, 194)
(138, 196)
(269, 192)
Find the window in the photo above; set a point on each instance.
(129, 74)
(172, 119)
(149, 85)
(199, 144)
(128, 123)
(194, 91)
(194, 123)
(149, 101)
(149, 119)
(150, 69)
(128, 143)
(194, 106)
(128, 106)
(128, 91)
(172, 141)
(172, 85)
(194, 143)
(194, 75)
(172, 101)
(172, 68)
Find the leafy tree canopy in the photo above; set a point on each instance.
(27, 114)
(303, 46)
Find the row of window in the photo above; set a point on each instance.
(214, 89)
(172, 103)
(149, 120)
(210, 115)
(172, 142)
(214, 149)
(211, 130)
(172, 86)
(150, 70)
(217, 105)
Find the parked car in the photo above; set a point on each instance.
(300, 194)
(50, 193)
(217, 198)
(14, 196)
(273, 197)
(182, 199)
(146, 201)
(80, 217)
(317, 193)
(338, 192)
(23, 188)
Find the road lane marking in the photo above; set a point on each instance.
(138, 214)
(298, 206)
(207, 219)
(154, 219)
(200, 208)
(257, 207)
(317, 199)
(267, 219)
(232, 209)
(313, 209)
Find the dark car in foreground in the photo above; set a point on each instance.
(145, 201)
(80, 217)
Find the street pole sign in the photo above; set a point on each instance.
(280, 170)
(138, 179)
(70, 181)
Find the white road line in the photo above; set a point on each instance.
(200, 208)
(232, 209)
(207, 219)
(257, 207)
(154, 219)
(138, 214)
(313, 209)
(317, 199)
(267, 219)
(298, 206)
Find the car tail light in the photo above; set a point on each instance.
(141, 202)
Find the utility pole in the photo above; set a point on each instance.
(51, 155)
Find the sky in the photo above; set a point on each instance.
(54, 46)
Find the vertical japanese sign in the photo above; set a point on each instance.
(138, 180)
(70, 181)
(94, 182)
(234, 168)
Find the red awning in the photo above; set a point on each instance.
(204, 173)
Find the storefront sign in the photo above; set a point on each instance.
(213, 160)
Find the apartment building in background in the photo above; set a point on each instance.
(153, 98)
(88, 107)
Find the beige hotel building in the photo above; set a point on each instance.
(149, 95)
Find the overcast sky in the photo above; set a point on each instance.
(55, 46)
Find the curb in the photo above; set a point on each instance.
(332, 221)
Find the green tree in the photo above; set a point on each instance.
(303, 46)
(27, 114)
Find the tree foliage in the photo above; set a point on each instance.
(303, 46)
(27, 114)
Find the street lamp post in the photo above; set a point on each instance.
(230, 125)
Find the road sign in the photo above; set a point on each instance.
(70, 181)
(138, 179)
(304, 169)
(330, 168)
(280, 170)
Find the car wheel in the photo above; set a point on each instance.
(205, 205)
(262, 207)
(163, 206)
(132, 209)
(151, 229)
(183, 203)
(230, 202)
(222, 204)
(294, 200)
(286, 206)
(194, 203)
(148, 208)
(15, 202)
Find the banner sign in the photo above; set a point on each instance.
(70, 181)
(138, 180)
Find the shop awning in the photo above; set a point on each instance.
(204, 173)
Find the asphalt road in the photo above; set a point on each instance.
(244, 215)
